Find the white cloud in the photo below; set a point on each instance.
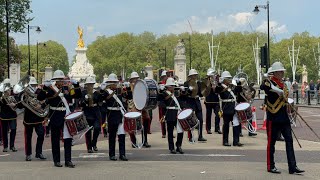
(232, 22)
(275, 27)
(90, 28)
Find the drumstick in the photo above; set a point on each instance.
(296, 138)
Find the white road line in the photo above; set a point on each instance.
(204, 155)
(3, 155)
(95, 155)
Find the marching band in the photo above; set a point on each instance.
(72, 112)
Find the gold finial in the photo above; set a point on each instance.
(80, 40)
(149, 57)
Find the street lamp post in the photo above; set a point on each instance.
(8, 44)
(38, 30)
(165, 56)
(256, 11)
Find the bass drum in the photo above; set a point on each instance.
(145, 94)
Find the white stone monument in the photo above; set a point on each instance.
(180, 67)
(105, 77)
(149, 71)
(81, 68)
(14, 73)
(304, 74)
(47, 73)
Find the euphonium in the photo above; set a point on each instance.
(194, 85)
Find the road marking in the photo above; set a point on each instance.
(205, 155)
(95, 155)
(3, 155)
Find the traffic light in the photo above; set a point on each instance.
(264, 56)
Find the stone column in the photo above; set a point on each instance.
(180, 67)
(14, 73)
(149, 71)
(48, 73)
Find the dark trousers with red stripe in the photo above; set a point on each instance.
(227, 118)
(170, 128)
(112, 129)
(273, 130)
(6, 125)
(215, 108)
(91, 140)
(28, 131)
(56, 133)
(162, 123)
(144, 132)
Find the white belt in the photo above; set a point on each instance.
(114, 108)
(228, 100)
(93, 105)
(175, 108)
(58, 108)
(71, 104)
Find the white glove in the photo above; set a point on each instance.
(190, 88)
(61, 94)
(47, 83)
(12, 105)
(73, 81)
(161, 87)
(103, 86)
(182, 88)
(86, 97)
(276, 90)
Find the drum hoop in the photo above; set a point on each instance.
(184, 110)
(242, 104)
(81, 113)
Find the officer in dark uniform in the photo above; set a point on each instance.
(8, 116)
(90, 101)
(194, 101)
(56, 116)
(171, 116)
(278, 120)
(228, 109)
(33, 121)
(115, 114)
(212, 103)
(162, 83)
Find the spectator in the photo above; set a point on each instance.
(288, 84)
(295, 87)
(304, 89)
(318, 91)
(312, 87)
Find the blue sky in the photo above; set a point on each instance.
(59, 19)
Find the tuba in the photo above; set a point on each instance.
(29, 97)
(5, 89)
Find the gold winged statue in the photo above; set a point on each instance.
(80, 40)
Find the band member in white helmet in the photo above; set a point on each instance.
(59, 108)
(90, 100)
(277, 118)
(194, 94)
(162, 83)
(115, 114)
(228, 100)
(8, 115)
(131, 108)
(172, 107)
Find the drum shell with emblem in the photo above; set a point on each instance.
(132, 122)
(244, 112)
(76, 123)
(187, 119)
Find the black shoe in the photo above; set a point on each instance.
(28, 158)
(174, 136)
(252, 134)
(57, 164)
(179, 150)
(95, 148)
(191, 140)
(1, 143)
(241, 135)
(295, 170)
(237, 144)
(113, 158)
(202, 139)
(146, 145)
(209, 132)
(13, 149)
(40, 156)
(90, 151)
(5, 150)
(274, 170)
(134, 146)
(218, 131)
(226, 144)
(69, 164)
(123, 158)
(172, 151)
(163, 136)
(47, 135)
(280, 139)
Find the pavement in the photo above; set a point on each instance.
(208, 160)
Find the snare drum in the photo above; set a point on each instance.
(244, 112)
(76, 123)
(145, 94)
(132, 122)
(187, 119)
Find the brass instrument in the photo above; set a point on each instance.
(29, 98)
(90, 92)
(194, 85)
(7, 97)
